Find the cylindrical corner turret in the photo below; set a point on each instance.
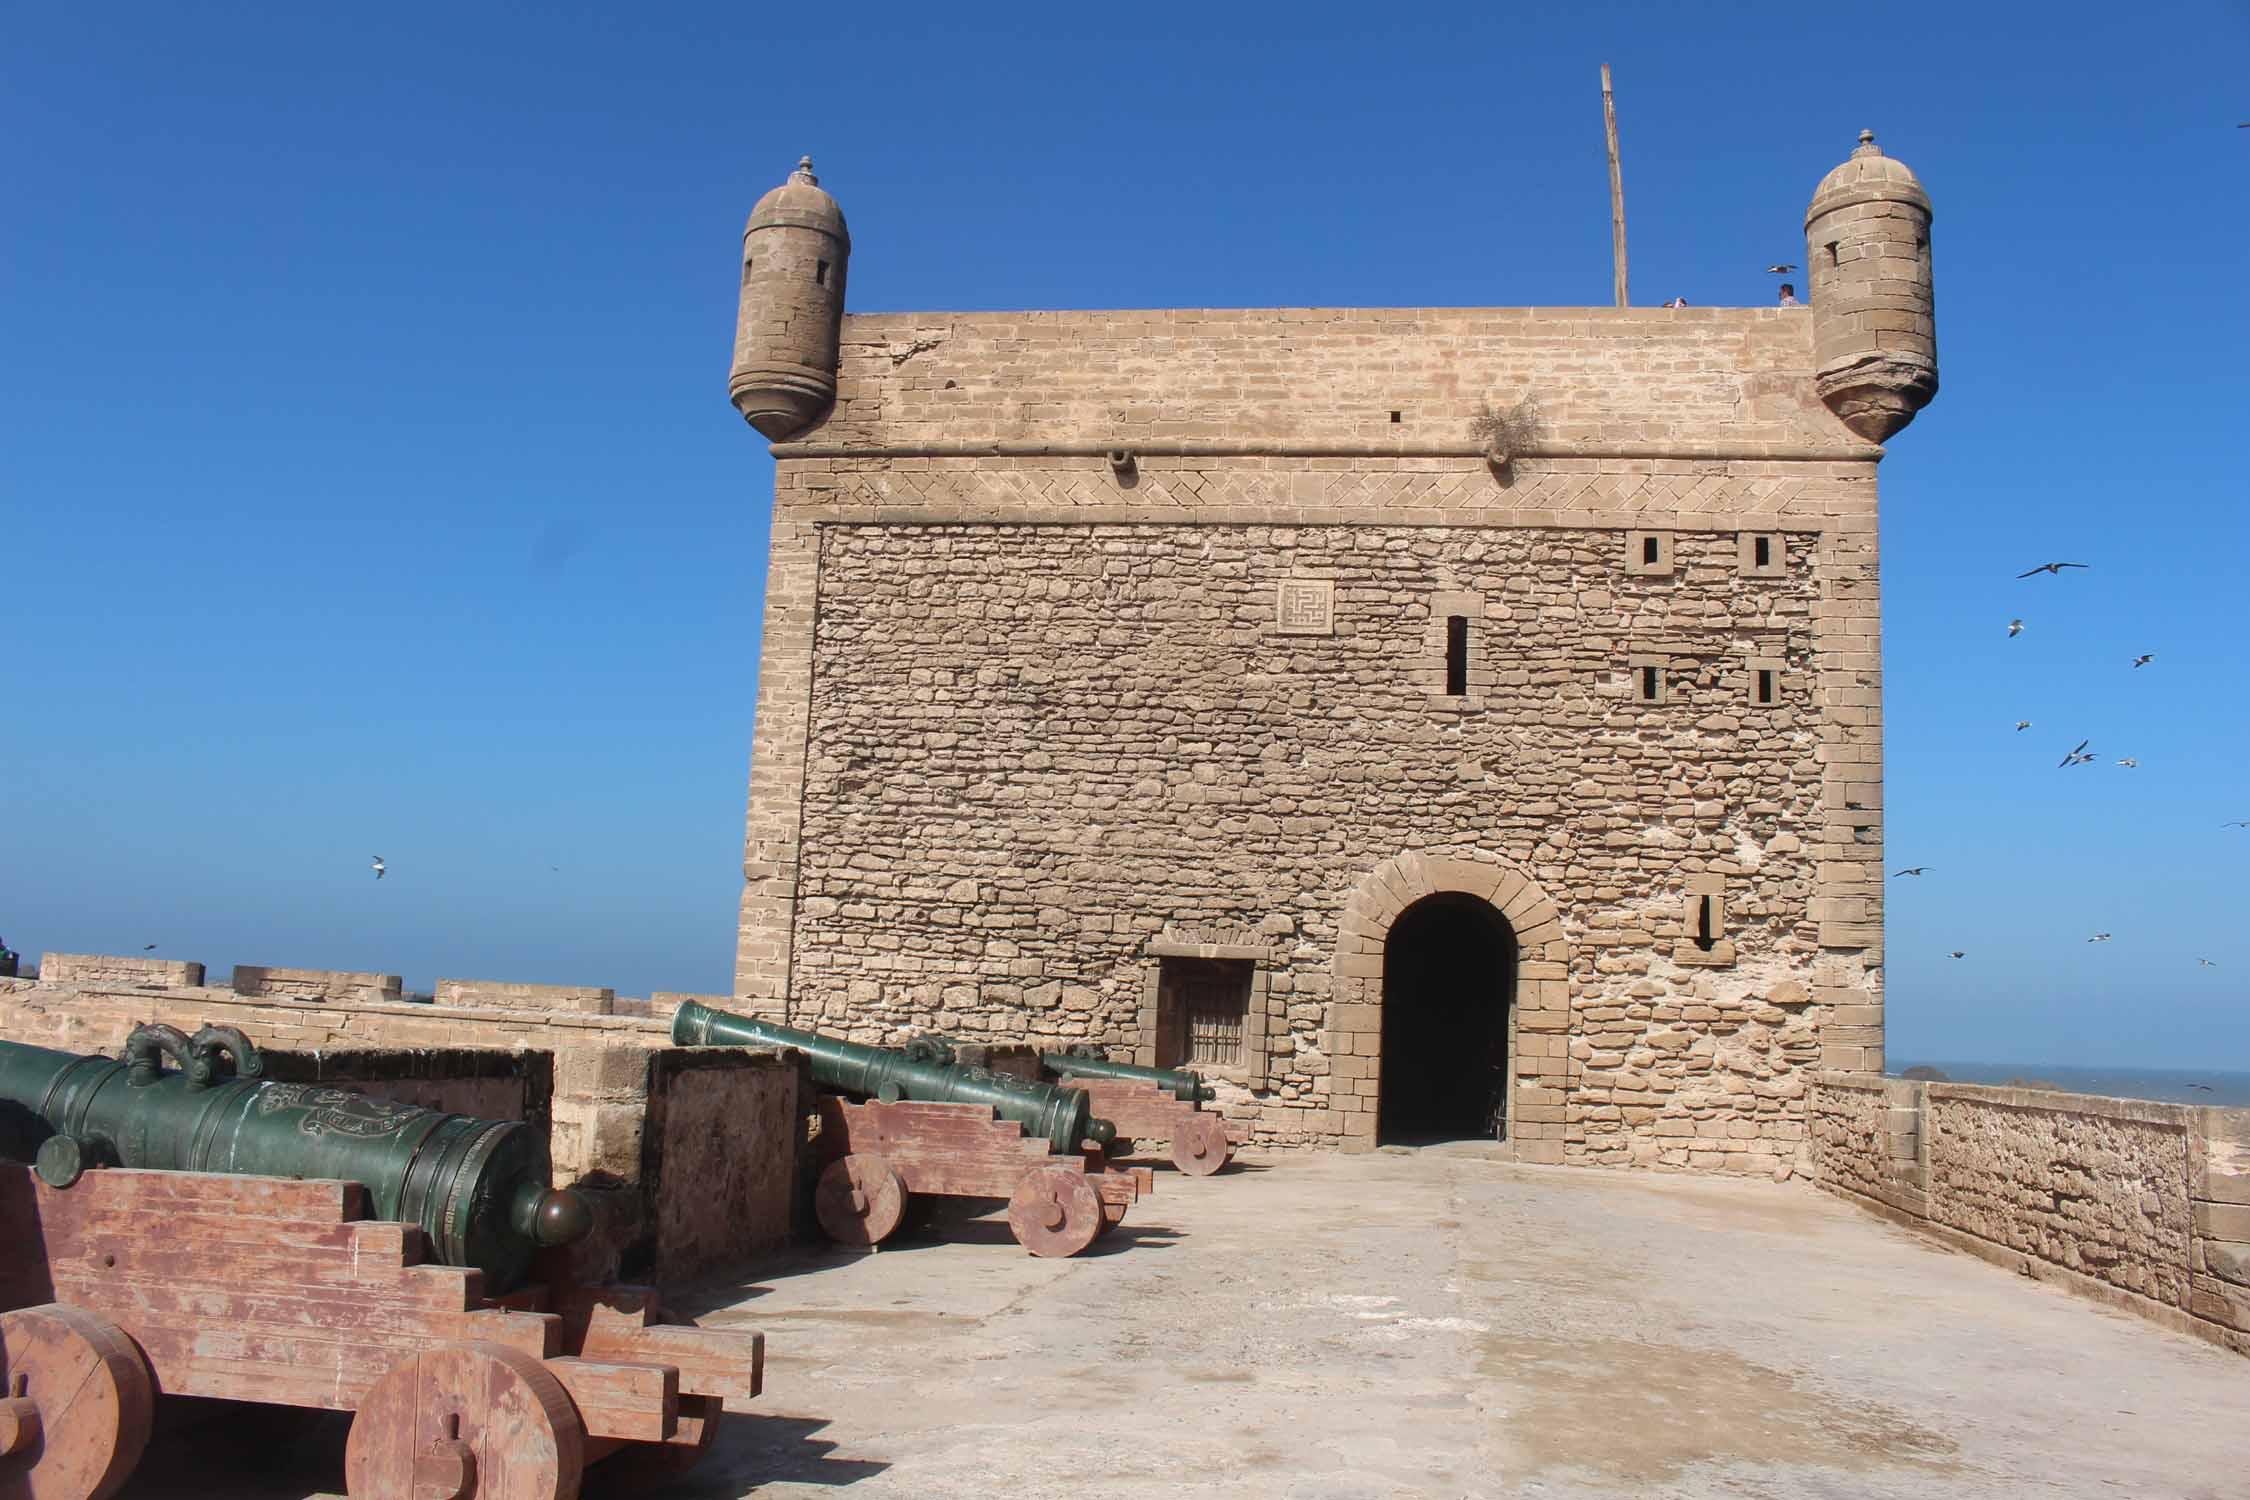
(794, 252)
(1867, 246)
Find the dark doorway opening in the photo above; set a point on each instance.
(1449, 976)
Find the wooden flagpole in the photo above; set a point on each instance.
(1616, 186)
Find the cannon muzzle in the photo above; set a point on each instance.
(478, 1188)
(1188, 1088)
(922, 1070)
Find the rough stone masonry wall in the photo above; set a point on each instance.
(1099, 737)
(2145, 1204)
(112, 968)
(317, 984)
(1315, 442)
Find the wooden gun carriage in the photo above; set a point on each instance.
(304, 1246)
(933, 1126)
(129, 1285)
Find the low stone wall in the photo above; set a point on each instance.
(606, 1114)
(2142, 1204)
(492, 994)
(97, 1017)
(317, 984)
(112, 968)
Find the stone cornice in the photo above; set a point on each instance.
(1331, 448)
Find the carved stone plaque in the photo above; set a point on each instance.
(1306, 606)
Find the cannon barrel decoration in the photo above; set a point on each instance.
(477, 1188)
(923, 1071)
(1085, 1062)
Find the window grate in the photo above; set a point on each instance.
(1203, 1012)
(1214, 1017)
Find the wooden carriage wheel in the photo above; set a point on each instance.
(1199, 1145)
(1054, 1211)
(1113, 1214)
(860, 1199)
(470, 1421)
(75, 1404)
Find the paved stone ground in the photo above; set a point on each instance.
(1441, 1324)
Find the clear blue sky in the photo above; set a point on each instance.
(369, 484)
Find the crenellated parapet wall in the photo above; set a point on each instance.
(2142, 1204)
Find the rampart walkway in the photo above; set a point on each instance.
(1444, 1325)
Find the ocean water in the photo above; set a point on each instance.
(2171, 1085)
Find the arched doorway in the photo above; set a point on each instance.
(1449, 977)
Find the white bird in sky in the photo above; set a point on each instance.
(2144, 658)
(2022, 725)
(2099, 937)
(1957, 953)
(379, 866)
(2207, 963)
(2078, 757)
(2128, 763)
(2015, 628)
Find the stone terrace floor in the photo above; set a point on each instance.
(1438, 1323)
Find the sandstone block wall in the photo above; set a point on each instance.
(1026, 716)
(492, 994)
(2146, 1204)
(607, 1086)
(317, 984)
(97, 1018)
(110, 968)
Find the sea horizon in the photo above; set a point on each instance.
(2221, 1086)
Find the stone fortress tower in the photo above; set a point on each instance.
(1427, 722)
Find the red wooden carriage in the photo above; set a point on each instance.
(130, 1285)
(879, 1156)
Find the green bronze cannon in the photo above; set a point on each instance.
(922, 1070)
(1085, 1062)
(477, 1188)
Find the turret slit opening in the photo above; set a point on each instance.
(820, 273)
(1456, 656)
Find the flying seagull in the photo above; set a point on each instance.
(2203, 1086)
(379, 867)
(2076, 757)
(148, 947)
(1915, 870)
(1780, 270)
(1957, 953)
(2144, 658)
(2054, 568)
(2129, 763)
(2022, 725)
(2015, 628)
(2207, 963)
(2099, 937)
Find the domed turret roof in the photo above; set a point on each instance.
(800, 203)
(1867, 176)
